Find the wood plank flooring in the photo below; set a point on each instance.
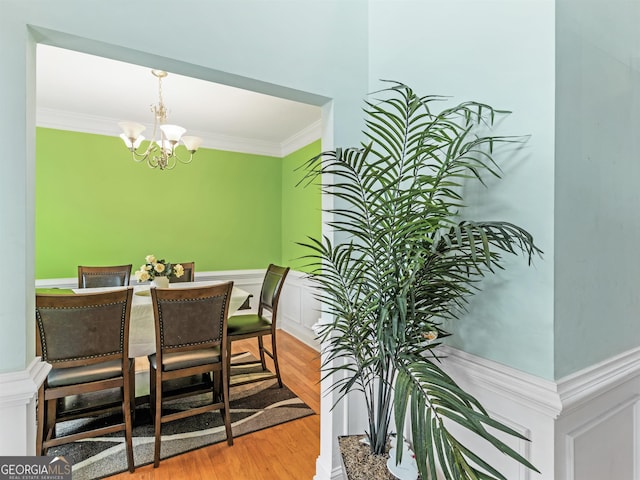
(283, 452)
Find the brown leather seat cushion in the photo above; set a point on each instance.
(59, 377)
(178, 360)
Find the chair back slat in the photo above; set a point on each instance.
(271, 287)
(189, 273)
(104, 276)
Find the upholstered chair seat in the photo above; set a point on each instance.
(85, 374)
(250, 323)
(192, 358)
(258, 325)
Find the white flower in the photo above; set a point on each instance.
(156, 268)
(142, 275)
(178, 270)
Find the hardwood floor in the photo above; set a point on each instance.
(283, 452)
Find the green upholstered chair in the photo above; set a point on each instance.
(257, 325)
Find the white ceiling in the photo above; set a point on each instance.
(81, 92)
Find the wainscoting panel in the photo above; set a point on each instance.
(526, 403)
(583, 427)
(604, 446)
(299, 310)
(598, 433)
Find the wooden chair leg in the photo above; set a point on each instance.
(157, 420)
(228, 365)
(42, 421)
(128, 420)
(132, 390)
(50, 422)
(217, 385)
(226, 411)
(152, 391)
(261, 349)
(274, 356)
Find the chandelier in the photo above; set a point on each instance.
(161, 150)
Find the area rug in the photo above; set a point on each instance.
(254, 407)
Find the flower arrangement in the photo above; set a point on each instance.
(157, 268)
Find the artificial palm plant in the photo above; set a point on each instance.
(407, 262)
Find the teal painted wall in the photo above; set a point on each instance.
(597, 175)
(510, 65)
(225, 210)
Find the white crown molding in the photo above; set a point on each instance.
(64, 120)
(238, 144)
(301, 139)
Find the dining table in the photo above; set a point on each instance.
(142, 336)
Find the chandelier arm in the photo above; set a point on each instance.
(142, 156)
(182, 160)
(170, 162)
(152, 162)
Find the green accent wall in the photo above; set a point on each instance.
(301, 208)
(95, 206)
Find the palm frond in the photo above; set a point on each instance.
(405, 263)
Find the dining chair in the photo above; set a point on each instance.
(191, 343)
(85, 338)
(107, 276)
(189, 273)
(257, 325)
